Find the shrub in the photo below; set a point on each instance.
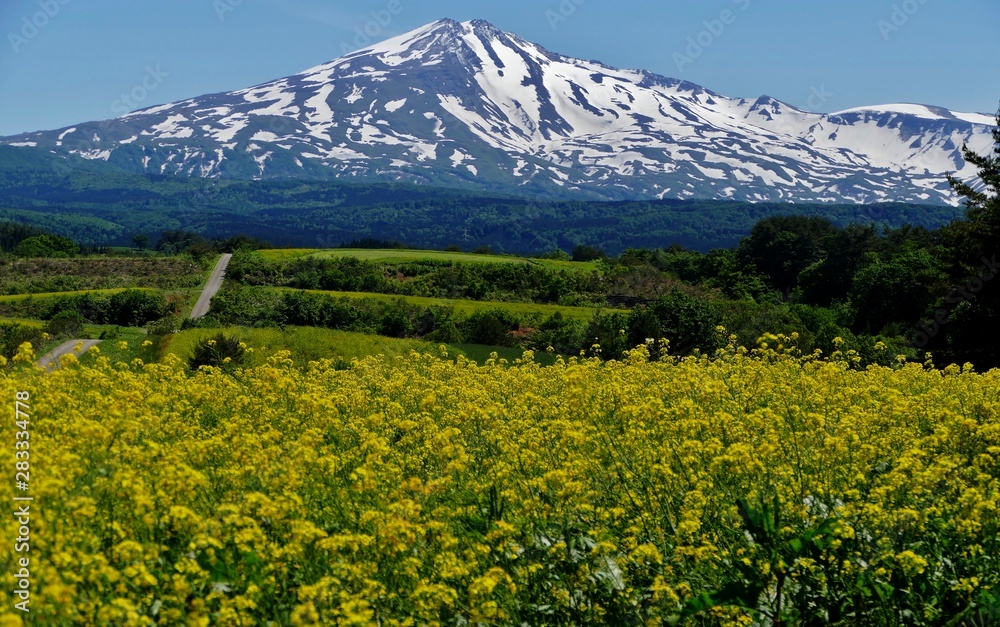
(252, 268)
(644, 325)
(178, 242)
(241, 242)
(607, 330)
(447, 333)
(164, 326)
(246, 306)
(65, 324)
(688, 323)
(492, 328)
(111, 334)
(565, 336)
(432, 318)
(13, 335)
(130, 308)
(220, 351)
(134, 308)
(396, 320)
(46, 246)
(557, 254)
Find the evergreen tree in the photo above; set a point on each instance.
(971, 329)
(781, 247)
(983, 205)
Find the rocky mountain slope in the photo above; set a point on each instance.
(468, 105)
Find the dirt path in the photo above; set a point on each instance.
(211, 288)
(50, 360)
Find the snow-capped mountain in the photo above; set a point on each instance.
(470, 105)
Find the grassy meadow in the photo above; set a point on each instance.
(404, 255)
(21, 298)
(467, 307)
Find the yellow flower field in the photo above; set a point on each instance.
(764, 487)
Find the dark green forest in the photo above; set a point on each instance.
(95, 204)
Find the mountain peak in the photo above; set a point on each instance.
(770, 101)
(445, 24)
(467, 104)
(482, 26)
(480, 23)
(926, 112)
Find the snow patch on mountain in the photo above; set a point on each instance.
(436, 104)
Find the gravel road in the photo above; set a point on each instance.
(211, 288)
(50, 361)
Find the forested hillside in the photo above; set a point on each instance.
(95, 204)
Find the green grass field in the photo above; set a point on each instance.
(28, 322)
(312, 344)
(404, 256)
(48, 295)
(467, 307)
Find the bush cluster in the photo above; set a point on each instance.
(128, 308)
(12, 335)
(523, 282)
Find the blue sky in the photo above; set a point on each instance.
(68, 61)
